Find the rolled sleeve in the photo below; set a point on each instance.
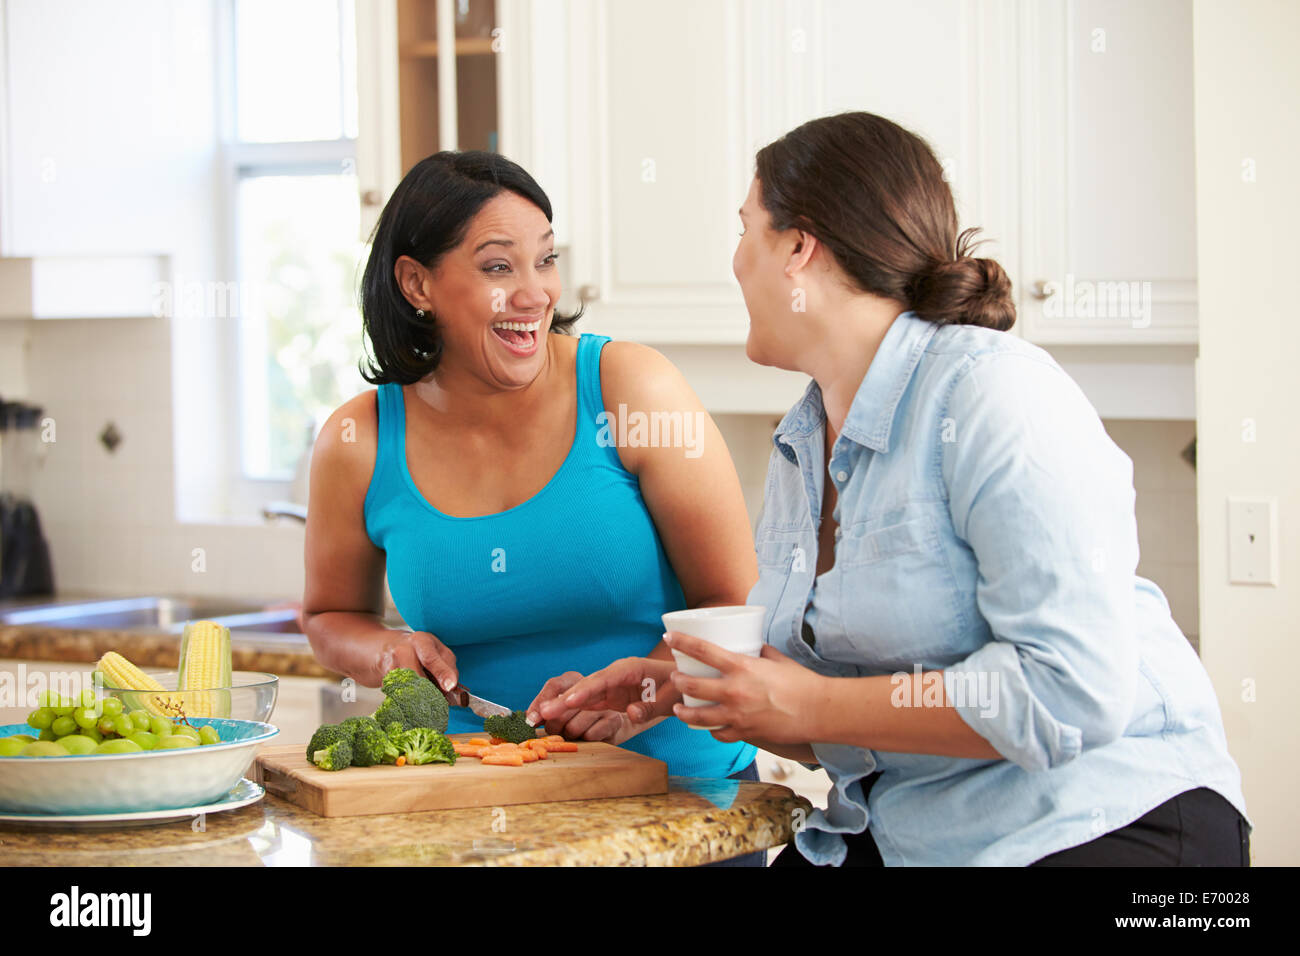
(1044, 499)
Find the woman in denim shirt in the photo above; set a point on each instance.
(947, 553)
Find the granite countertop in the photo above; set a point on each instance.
(287, 655)
(697, 821)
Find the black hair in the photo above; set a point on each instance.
(426, 217)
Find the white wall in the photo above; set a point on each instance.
(1247, 84)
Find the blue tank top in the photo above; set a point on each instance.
(570, 580)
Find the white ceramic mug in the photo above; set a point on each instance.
(736, 628)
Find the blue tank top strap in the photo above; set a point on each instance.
(594, 439)
(590, 400)
(390, 442)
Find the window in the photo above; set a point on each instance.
(294, 227)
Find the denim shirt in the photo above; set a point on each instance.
(986, 530)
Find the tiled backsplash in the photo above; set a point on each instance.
(110, 517)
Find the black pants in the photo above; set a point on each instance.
(1196, 828)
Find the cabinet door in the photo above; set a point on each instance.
(427, 80)
(660, 163)
(1108, 189)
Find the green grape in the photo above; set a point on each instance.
(77, 744)
(105, 725)
(66, 706)
(159, 726)
(63, 726)
(119, 746)
(146, 740)
(112, 706)
(11, 747)
(48, 698)
(208, 735)
(123, 725)
(41, 718)
(47, 734)
(85, 717)
(87, 698)
(142, 719)
(175, 742)
(44, 748)
(93, 733)
(25, 738)
(186, 730)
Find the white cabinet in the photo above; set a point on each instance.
(1108, 187)
(1064, 127)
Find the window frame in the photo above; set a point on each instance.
(237, 160)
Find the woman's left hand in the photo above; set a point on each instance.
(770, 697)
(609, 726)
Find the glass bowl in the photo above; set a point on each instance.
(250, 696)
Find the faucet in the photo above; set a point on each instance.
(284, 509)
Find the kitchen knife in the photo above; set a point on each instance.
(458, 696)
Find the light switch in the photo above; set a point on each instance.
(1252, 541)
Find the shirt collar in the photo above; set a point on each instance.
(871, 415)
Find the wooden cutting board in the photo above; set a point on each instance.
(597, 770)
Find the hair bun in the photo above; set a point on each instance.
(966, 291)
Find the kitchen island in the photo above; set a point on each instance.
(697, 821)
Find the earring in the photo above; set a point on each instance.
(419, 313)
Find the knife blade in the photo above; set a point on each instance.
(459, 696)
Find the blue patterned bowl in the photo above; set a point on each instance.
(129, 783)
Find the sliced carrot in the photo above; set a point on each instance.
(471, 751)
(542, 753)
(401, 761)
(528, 754)
(478, 742)
(503, 760)
(500, 740)
(556, 737)
(568, 747)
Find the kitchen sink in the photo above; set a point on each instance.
(166, 614)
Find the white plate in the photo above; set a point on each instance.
(142, 782)
(243, 794)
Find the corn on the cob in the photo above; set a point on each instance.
(205, 664)
(119, 673)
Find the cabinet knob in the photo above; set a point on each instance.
(371, 197)
(780, 769)
(1043, 289)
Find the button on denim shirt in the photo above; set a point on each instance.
(986, 531)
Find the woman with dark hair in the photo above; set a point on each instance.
(521, 539)
(955, 628)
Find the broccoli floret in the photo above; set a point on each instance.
(398, 677)
(370, 745)
(514, 728)
(337, 756)
(413, 700)
(390, 712)
(325, 735)
(420, 745)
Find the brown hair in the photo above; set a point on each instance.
(875, 194)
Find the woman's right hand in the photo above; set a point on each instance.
(422, 653)
(639, 686)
